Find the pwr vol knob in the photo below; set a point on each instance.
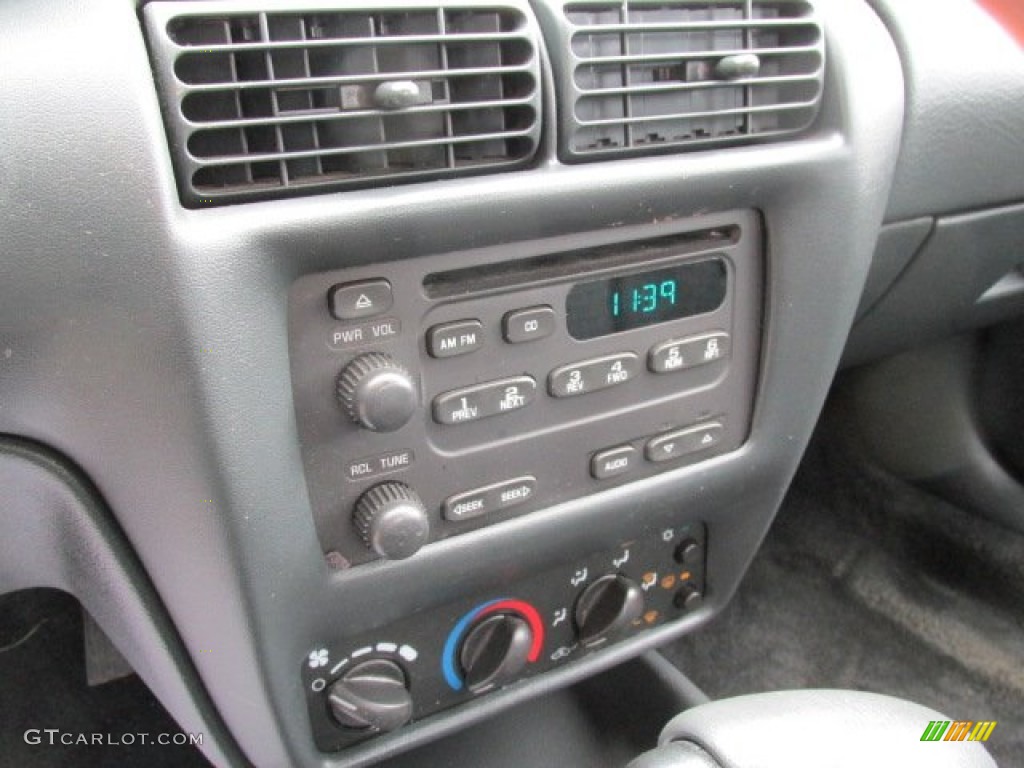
(377, 392)
(392, 520)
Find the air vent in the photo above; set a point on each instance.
(288, 99)
(639, 77)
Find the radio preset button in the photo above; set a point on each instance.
(614, 461)
(680, 354)
(491, 498)
(364, 298)
(528, 324)
(458, 338)
(674, 445)
(592, 375)
(461, 406)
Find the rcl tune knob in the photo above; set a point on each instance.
(377, 392)
(372, 696)
(392, 520)
(611, 603)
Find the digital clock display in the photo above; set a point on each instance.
(616, 304)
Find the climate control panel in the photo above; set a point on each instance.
(438, 395)
(369, 684)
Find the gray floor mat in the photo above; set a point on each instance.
(865, 582)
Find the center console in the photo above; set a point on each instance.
(440, 395)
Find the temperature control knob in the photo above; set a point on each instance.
(392, 521)
(377, 392)
(495, 650)
(372, 696)
(611, 603)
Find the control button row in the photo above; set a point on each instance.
(624, 459)
(491, 498)
(461, 406)
(464, 336)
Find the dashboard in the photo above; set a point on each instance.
(368, 369)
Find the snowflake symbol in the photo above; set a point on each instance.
(318, 658)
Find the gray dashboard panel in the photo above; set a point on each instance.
(55, 532)
(149, 344)
(967, 274)
(963, 147)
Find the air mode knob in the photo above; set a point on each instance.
(377, 392)
(611, 603)
(392, 520)
(372, 696)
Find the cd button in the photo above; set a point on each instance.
(528, 324)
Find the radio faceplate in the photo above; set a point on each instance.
(477, 403)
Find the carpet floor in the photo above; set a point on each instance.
(865, 582)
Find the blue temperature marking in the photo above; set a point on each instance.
(448, 655)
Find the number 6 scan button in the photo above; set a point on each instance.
(461, 406)
(591, 375)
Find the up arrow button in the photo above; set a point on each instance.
(366, 298)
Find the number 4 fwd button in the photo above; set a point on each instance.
(682, 442)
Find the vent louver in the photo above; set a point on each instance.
(642, 76)
(285, 98)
